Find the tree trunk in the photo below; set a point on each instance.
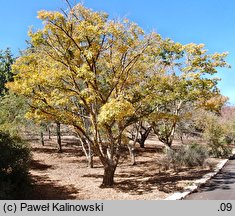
(86, 147)
(169, 143)
(144, 136)
(42, 138)
(108, 177)
(90, 156)
(49, 133)
(172, 135)
(141, 142)
(90, 161)
(58, 137)
(167, 147)
(132, 154)
(181, 138)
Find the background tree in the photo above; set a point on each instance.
(6, 61)
(187, 81)
(12, 111)
(58, 135)
(215, 132)
(142, 130)
(228, 119)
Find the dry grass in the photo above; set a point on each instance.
(66, 176)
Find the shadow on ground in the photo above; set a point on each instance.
(222, 181)
(71, 151)
(139, 182)
(37, 165)
(45, 189)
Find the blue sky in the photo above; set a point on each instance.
(211, 22)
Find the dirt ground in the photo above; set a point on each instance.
(66, 176)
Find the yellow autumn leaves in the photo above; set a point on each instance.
(116, 109)
(83, 65)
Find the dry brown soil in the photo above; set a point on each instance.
(66, 176)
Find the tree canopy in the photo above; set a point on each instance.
(102, 75)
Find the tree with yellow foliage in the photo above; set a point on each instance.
(90, 72)
(188, 81)
(99, 75)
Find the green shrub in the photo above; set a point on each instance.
(14, 160)
(219, 148)
(195, 155)
(217, 137)
(186, 156)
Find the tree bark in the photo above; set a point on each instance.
(86, 147)
(167, 147)
(108, 177)
(90, 156)
(90, 161)
(144, 136)
(58, 133)
(141, 142)
(42, 138)
(132, 154)
(49, 133)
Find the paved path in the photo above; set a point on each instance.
(220, 187)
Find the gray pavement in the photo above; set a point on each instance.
(220, 187)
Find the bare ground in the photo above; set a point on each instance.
(66, 176)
